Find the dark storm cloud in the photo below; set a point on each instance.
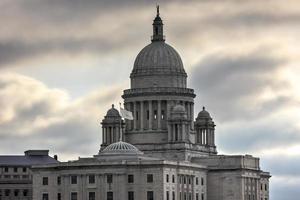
(229, 85)
(14, 51)
(74, 16)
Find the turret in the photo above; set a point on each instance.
(179, 125)
(205, 129)
(112, 125)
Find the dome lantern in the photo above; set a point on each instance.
(158, 34)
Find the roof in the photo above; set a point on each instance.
(20, 160)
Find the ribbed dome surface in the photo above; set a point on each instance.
(203, 114)
(121, 148)
(158, 57)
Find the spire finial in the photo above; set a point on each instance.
(157, 10)
(112, 105)
(203, 107)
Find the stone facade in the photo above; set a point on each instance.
(16, 174)
(163, 153)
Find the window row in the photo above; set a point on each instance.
(14, 192)
(264, 187)
(8, 176)
(92, 179)
(187, 180)
(14, 169)
(92, 196)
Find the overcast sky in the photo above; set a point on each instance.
(64, 62)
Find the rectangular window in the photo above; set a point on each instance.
(5, 169)
(180, 198)
(73, 179)
(202, 196)
(16, 193)
(45, 196)
(45, 180)
(173, 195)
(150, 195)
(190, 180)
(148, 114)
(184, 180)
(149, 178)
(58, 196)
(130, 195)
(261, 186)
(24, 169)
(266, 187)
(15, 169)
(110, 196)
(130, 178)
(197, 181)
(92, 196)
(162, 114)
(197, 196)
(25, 193)
(167, 178)
(167, 195)
(190, 196)
(137, 115)
(92, 179)
(7, 192)
(173, 178)
(155, 114)
(73, 195)
(109, 178)
(202, 181)
(58, 180)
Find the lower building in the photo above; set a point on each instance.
(120, 171)
(16, 174)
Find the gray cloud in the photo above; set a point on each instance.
(257, 137)
(230, 84)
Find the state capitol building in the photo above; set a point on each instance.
(167, 152)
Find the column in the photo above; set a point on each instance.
(127, 122)
(142, 116)
(134, 116)
(207, 136)
(169, 133)
(104, 139)
(168, 112)
(117, 134)
(150, 114)
(192, 116)
(200, 136)
(188, 109)
(183, 132)
(159, 114)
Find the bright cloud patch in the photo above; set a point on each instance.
(34, 116)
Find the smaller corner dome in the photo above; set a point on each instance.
(179, 109)
(113, 112)
(121, 147)
(204, 114)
